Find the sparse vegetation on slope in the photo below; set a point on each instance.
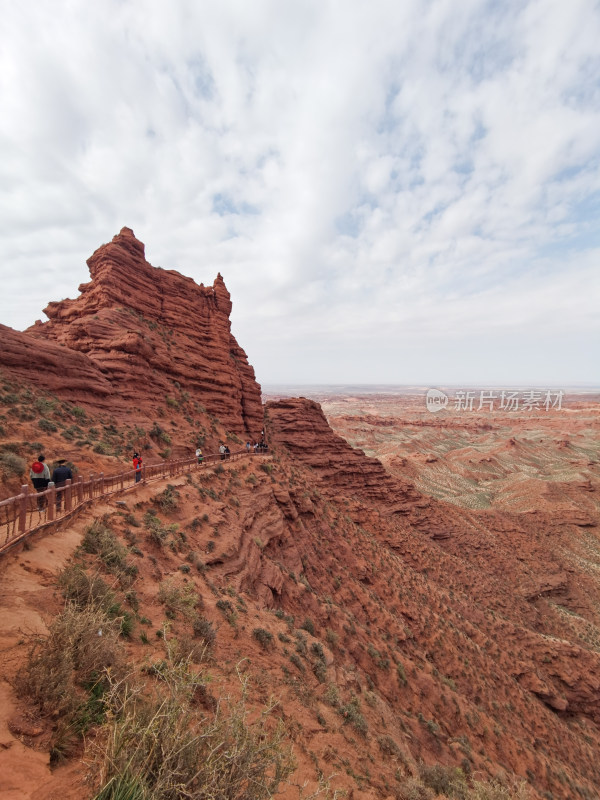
(158, 747)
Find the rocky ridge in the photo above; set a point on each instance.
(137, 335)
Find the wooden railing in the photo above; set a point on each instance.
(25, 513)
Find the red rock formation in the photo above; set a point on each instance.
(141, 334)
(52, 366)
(299, 425)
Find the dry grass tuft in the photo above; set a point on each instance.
(81, 645)
(159, 747)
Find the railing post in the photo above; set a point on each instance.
(122, 474)
(79, 486)
(51, 501)
(23, 508)
(91, 488)
(68, 497)
(101, 484)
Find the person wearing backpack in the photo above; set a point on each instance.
(137, 465)
(40, 478)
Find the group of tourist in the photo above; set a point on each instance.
(40, 478)
(257, 447)
(40, 472)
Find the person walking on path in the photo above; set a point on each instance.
(137, 465)
(60, 475)
(40, 478)
(222, 451)
(199, 455)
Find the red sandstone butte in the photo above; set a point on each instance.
(137, 334)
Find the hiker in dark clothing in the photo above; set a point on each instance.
(61, 474)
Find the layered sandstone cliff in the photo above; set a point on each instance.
(299, 425)
(138, 335)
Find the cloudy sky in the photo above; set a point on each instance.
(395, 191)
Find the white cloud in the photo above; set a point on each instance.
(369, 173)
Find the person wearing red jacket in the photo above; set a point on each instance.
(137, 465)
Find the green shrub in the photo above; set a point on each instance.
(263, 637)
(158, 533)
(203, 629)
(400, 672)
(90, 591)
(388, 746)
(448, 781)
(184, 650)
(9, 399)
(12, 465)
(47, 425)
(168, 500)
(84, 589)
(319, 668)
(228, 611)
(308, 625)
(99, 540)
(178, 599)
(156, 432)
(297, 661)
(316, 649)
(351, 714)
(43, 405)
(12, 447)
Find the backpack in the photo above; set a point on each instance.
(37, 467)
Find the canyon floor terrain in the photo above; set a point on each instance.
(523, 460)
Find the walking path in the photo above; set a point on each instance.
(30, 512)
